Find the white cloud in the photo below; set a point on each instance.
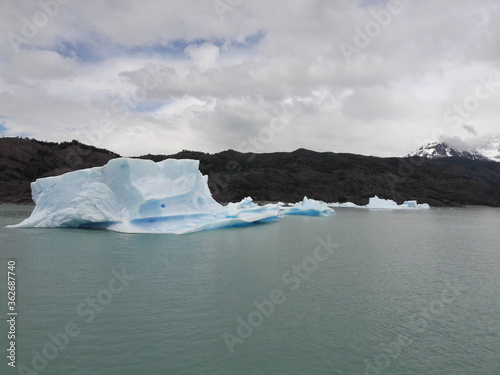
(175, 75)
(204, 56)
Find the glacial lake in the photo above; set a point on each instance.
(360, 292)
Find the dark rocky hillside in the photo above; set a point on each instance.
(23, 161)
(280, 176)
(335, 177)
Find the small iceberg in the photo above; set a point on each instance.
(346, 204)
(309, 207)
(414, 204)
(138, 196)
(378, 203)
(248, 206)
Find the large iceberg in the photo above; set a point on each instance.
(138, 196)
(310, 207)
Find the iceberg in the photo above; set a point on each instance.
(346, 204)
(138, 196)
(378, 203)
(248, 206)
(414, 204)
(309, 207)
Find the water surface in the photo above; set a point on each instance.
(361, 292)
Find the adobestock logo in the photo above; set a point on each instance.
(222, 7)
(460, 112)
(31, 26)
(417, 324)
(121, 107)
(56, 343)
(252, 145)
(372, 29)
(292, 277)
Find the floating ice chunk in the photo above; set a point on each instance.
(244, 203)
(414, 204)
(247, 207)
(378, 203)
(138, 196)
(346, 204)
(309, 207)
(233, 209)
(410, 204)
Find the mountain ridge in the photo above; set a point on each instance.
(277, 176)
(437, 150)
(491, 148)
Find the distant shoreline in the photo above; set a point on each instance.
(273, 177)
(262, 203)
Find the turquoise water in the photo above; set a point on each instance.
(361, 292)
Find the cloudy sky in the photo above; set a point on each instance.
(373, 77)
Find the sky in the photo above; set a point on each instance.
(377, 77)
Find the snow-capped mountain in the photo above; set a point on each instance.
(491, 148)
(437, 150)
